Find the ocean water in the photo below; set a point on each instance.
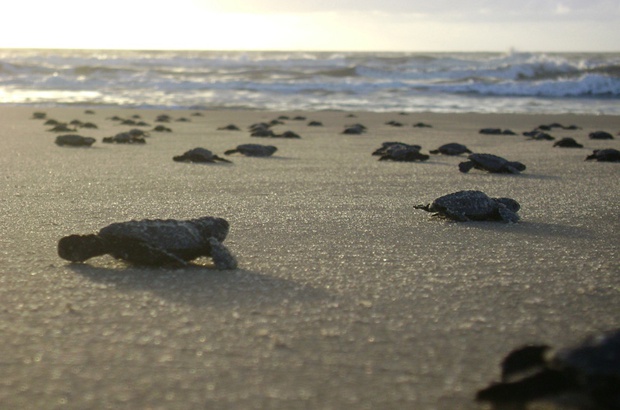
(410, 82)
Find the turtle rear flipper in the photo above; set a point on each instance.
(466, 166)
(78, 248)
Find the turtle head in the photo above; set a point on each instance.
(211, 226)
(78, 248)
(509, 203)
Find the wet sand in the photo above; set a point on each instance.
(346, 297)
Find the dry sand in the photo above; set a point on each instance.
(346, 296)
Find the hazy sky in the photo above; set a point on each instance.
(357, 25)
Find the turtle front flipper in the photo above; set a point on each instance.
(221, 256)
(78, 248)
(231, 151)
(466, 166)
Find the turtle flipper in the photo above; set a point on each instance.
(507, 215)
(231, 151)
(466, 166)
(78, 248)
(222, 257)
(216, 158)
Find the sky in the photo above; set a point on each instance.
(314, 25)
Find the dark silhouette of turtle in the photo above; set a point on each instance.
(394, 123)
(253, 150)
(38, 115)
(589, 371)
(161, 128)
(473, 205)
(496, 131)
(567, 142)
(199, 155)
(601, 135)
(491, 163)
(452, 148)
(124, 138)
(402, 153)
(154, 242)
(315, 124)
(74, 140)
(89, 125)
(229, 127)
(538, 135)
(422, 125)
(386, 145)
(287, 134)
(605, 155)
(355, 129)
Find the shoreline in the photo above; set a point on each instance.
(345, 297)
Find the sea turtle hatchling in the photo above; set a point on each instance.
(199, 155)
(589, 372)
(253, 150)
(605, 155)
(74, 140)
(491, 163)
(452, 148)
(154, 242)
(465, 206)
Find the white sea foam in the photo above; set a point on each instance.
(442, 82)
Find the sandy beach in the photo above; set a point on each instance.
(346, 297)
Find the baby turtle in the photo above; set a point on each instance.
(229, 127)
(567, 142)
(125, 138)
(253, 150)
(601, 135)
(589, 371)
(74, 140)
(605, 155)
(154, 242)
(355, 129)
(538, 135)
(491, 163)
(386, 145)
(422, 125)
(315, 124)
(451, 149)
(403, 153)
(199, 155)
(496, 131)
(475, 206)
(161, 128)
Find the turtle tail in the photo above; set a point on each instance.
(78, 248)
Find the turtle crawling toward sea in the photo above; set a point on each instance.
(154, 242)
(465, 206)
(589, 372)
(74, 140)
(605, 155)
(400, 152)
(491, 163)
(452, 148)
(253, 150)
(199, 155)
(567, 142)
